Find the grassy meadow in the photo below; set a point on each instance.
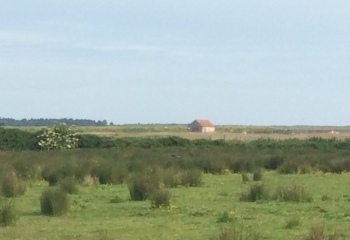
(267, 189)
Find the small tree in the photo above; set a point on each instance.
(60, 137)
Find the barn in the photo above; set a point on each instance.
(201, 126)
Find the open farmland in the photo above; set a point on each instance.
(190, 192)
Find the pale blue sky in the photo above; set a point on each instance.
(252, 62)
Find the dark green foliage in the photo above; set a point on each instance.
(257, 175)
(245, 177)
(15, 139)
(160, 198)
(70, 185)
(255, 192)
(110, 173)
(288, 167)
(142, 185)
(54, 202)
(12, 187)
(8, 214)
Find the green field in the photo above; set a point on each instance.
(92, 216)
(299, 192)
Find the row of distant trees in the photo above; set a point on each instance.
(51, 122)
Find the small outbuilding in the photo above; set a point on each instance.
(201, 126)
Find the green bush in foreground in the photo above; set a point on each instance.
(54, 202)
(12, 187)
(191, 178)
(8, 215)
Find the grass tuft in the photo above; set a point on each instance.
(70, 185)
(256, 192)
(54, 202)
(12, 187)
(293, 193)
(8, 214)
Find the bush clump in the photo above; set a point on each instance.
(293, 193)
(54, 202)
(245, 177)
(12, 187)
(8, 214)
(142, 185)
(161, 198)
(257, 175)
(191, 178)
(70, 185)
(256, 192)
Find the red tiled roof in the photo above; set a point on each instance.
(204, 123)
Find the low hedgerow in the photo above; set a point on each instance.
(161, 198)
(293, 193)
(255, 192)
(12, 187)
(70, 185)
(8, 214)
(54, 202)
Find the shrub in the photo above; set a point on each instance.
(161, 198)
(191, 178)
(142, 186)
(54, 202)
(70, 185)
(8, 215)
(257, 175)
(256, 192)
(288, 168)
(293, 193)
(12, 187)
(171, 177)
(108, 173)
(88, 181)
(245, 177)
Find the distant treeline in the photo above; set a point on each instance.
(50, 122)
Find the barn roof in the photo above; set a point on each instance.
(204, 123)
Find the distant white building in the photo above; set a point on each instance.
(201, 126)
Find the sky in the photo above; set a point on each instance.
(233, 62)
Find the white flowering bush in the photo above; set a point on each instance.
(60, 137)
